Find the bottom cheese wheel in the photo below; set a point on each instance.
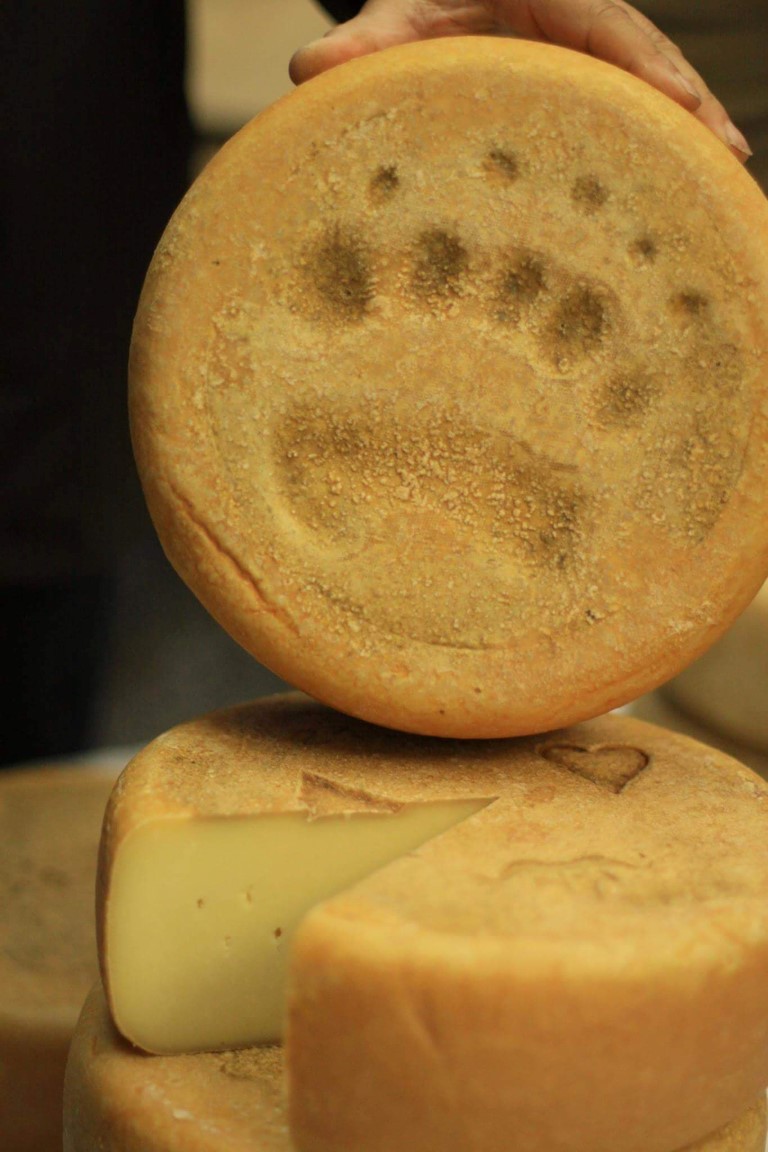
(50, 820)
(118, 1099)
(727, 688)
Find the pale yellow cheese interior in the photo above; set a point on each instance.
(206, 908)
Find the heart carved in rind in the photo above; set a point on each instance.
(607, 765)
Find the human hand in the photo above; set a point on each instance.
(611, 30)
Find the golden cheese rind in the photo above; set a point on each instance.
(600, 922)
(603, 924)
(49, 833)
(120, 1100)
(449, 387)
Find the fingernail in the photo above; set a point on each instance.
(736, 139)
(685, 83)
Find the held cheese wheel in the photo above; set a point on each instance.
(727, 687)
(120, 1100)
(572, 914)
(50, 819)
(448, 387)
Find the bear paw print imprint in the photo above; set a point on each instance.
(589, 193)
(341, 273)
(440, 263)
(559, 320)
(351, 476)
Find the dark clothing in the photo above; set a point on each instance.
(93, 159)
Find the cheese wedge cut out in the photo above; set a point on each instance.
(449, 387)
(205, 911)
(50, 818)
(221, 835)
(118, 1099)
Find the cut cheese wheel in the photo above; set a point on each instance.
(449, 387)
(121, 1100)
(505, 988)
(727, 687)
(592, 911)
(658, 708)
(50, 819)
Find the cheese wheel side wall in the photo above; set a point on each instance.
(389, 1049)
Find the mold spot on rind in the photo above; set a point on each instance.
(384, 182)
(644, 249)
(341, 273)
(441, 261)
(588, 192)
(505, 162)
(690, 303)
(522, 281)
(625, 398)
(580, 322)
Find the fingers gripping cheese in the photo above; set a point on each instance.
(120, 1100)
(449, 387)
(590, 918)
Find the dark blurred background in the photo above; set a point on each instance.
(110, 108)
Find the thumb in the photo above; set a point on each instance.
(378, 25)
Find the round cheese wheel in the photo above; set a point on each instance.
(601, 924)
(658, 708)
(50, 820)
(727, 687)
(120, 1100)
(448, 387)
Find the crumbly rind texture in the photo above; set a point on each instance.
(120, 1100)
(442, 409)
(579, 967)
(50, 820)
(117, 1099)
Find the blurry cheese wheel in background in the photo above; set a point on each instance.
(120, 1100)
(449, 387)
(657, 708)
(554, 912)
(50, 820)
(727, 688)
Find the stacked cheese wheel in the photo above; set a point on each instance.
(450, 400)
